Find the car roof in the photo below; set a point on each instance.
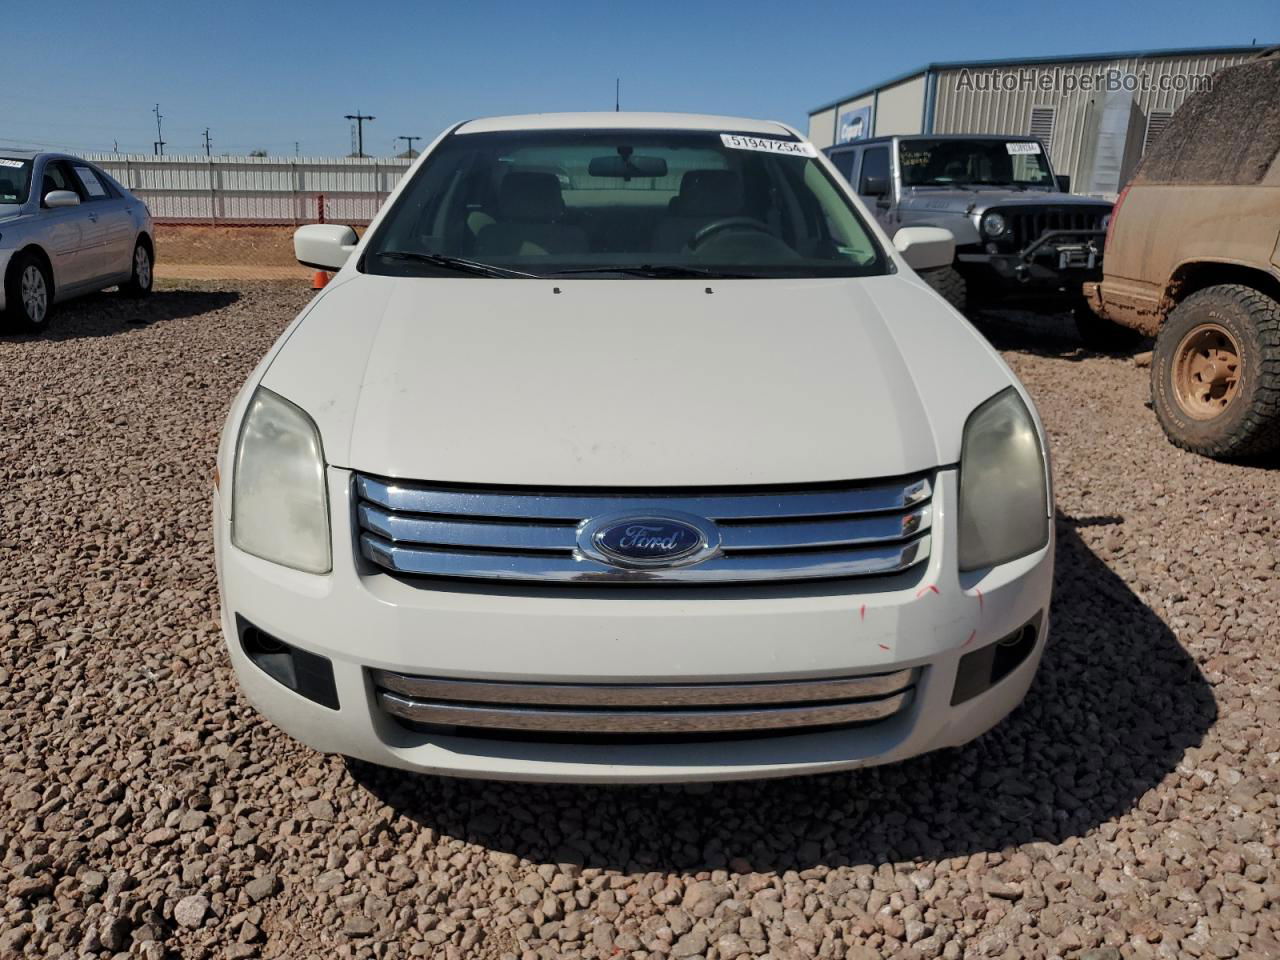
(624, 121)
(931, 136)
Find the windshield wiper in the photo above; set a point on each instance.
(657, 271)
(457, 264)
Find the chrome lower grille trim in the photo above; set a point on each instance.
(419, 529)
(642, 694)
(643, 709)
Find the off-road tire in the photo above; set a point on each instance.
(18, 317)
(1250, 423)
(139, 284)
(1100, 334)
(950, 284)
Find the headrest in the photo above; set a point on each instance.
(530, 196)
(710, 193)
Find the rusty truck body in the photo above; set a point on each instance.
(1193, 259)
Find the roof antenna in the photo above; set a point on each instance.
(617, 94)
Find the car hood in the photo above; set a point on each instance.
(636, 382)
(981, 198)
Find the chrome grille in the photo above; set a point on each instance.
(642, 709)
(1030, 223)
(420, 529)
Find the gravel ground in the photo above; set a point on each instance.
(1129, 808)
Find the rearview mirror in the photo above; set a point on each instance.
(325, 246)
(873, 186)
(61, 198)
(617, 165)
(925, 247)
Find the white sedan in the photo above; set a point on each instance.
(66, 228)
(626, 446)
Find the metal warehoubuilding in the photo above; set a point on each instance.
(1095, 113)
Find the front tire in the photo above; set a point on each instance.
(139, 284)
(949, 283)
(1102, 335)
(28, 294)
(1215, 373)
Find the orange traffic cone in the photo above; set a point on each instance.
(319, 279)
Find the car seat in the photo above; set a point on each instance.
(529, 219)
(705, 196)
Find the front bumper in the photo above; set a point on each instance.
(1053, 267)
(364, 620)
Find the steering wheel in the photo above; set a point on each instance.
(726, 223)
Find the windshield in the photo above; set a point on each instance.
(648, 203)
(15, 180)
(945, 163)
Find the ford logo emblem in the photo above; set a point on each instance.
(665, 540)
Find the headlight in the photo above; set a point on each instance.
(1004, 497)
(279, 505)
(993, 225)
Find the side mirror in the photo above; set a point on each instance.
(325, 246)
(1063, 181)
(61, 198)
(873, 186)
(925, 247)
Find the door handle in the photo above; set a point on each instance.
(93, 217)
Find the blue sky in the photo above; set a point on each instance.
(266, 74)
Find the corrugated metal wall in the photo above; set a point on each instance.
(256, 189)
(1009, 111)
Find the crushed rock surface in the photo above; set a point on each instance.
(1128, 809)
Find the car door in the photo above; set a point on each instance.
(874, 175)
(93, 231)
(114, 223)
(61, 230)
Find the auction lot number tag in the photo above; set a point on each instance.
(1022, 146)
(795, 148)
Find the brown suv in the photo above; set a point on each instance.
(1193, 259)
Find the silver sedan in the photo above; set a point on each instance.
(66, 228)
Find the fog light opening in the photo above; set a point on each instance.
(982, 669)
(306, 674)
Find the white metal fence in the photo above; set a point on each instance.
(257, 189)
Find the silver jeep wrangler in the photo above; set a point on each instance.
(1022, 240)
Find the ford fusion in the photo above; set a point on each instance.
(627, 447)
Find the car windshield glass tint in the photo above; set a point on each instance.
(15, 180)
(945, 163)
(637, 204)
